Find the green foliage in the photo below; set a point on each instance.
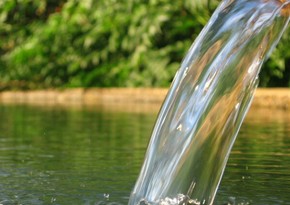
(87, 43)
(276, 71)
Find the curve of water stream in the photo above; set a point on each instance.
(207, 102)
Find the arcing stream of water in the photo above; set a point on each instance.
(207, 102)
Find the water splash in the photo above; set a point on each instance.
(207, 102)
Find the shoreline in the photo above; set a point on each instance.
(278, 98)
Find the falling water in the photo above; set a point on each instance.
(207, 102)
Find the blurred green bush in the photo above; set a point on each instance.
(106, 43)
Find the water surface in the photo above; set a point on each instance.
(55, 155)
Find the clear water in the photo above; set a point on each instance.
(53, 155)
(206, 104)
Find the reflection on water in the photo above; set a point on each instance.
(258, 170)
(89, 156)
(69, 156)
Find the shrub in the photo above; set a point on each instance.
(106, 43)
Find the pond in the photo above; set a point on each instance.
(93, 155)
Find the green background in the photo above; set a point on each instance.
(107, 43)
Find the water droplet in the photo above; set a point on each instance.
(237, 106)
(143, 202)
(53, 199)
(106, 195)
(179, 127)
(185, 71)
(193, 202)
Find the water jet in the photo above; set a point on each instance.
(207, 102)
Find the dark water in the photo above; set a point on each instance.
(54, 155)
